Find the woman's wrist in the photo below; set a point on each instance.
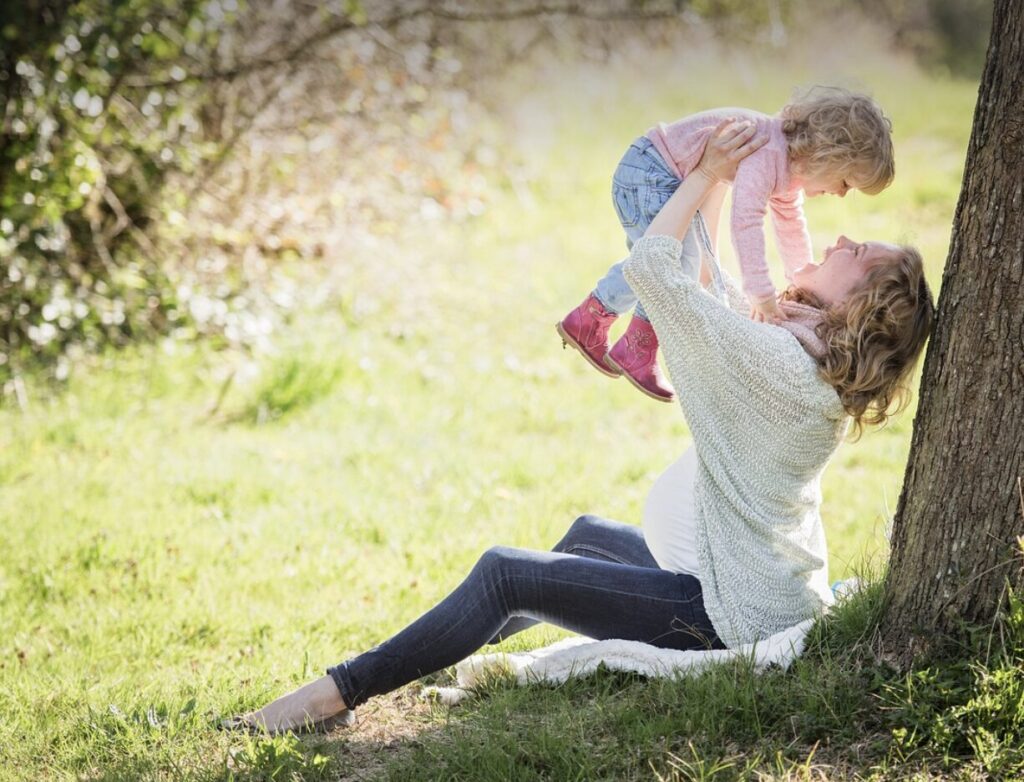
(706, 181)
(708, 176)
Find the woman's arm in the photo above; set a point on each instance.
(712, 211)
(676, 215)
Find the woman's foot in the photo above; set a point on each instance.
(314, 707)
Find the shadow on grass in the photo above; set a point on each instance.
(387, 730)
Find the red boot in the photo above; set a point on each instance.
(636, 356)
(586, 329)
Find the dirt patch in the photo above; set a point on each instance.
(385, 727)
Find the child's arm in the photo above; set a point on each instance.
(762, 310)
(791, 232)
(767, 311)
(750, 197)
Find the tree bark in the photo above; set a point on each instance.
(956, 536)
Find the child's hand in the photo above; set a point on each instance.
(767, 311)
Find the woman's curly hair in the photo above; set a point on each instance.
(874, 337)
(831, 130)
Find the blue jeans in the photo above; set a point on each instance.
(600, 580)
(641, 185)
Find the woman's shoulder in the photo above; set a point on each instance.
(796, 373)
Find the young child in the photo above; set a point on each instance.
(828, 140)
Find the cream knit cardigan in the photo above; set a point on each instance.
(764, 426)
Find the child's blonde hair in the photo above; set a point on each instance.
(874, 337)
(831, 130)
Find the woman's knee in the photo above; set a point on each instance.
(581, 525)
(581, 530)
(496, 559)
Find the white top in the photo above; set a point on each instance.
(670, 518)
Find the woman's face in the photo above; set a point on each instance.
(843, 266)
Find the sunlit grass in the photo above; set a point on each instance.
(178, 545)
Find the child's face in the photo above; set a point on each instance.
(843, 267)
(830, 184)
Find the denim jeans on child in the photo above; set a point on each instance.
(641, 185)
(600, 580)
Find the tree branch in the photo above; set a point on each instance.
(305, 48)
(240, 129)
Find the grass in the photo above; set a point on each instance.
(187, 534)
(838, 713)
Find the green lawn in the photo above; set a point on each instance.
(164, 565)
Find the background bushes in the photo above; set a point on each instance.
(167, 167)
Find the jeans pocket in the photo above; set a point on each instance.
(627, 204)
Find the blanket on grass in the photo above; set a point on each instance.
(580, 656)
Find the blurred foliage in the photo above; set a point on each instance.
(293, 383)
(85, 151)
(154, 154)
(948, 34)
(163, 162)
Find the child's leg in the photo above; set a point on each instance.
(635, 355)
(641, 185)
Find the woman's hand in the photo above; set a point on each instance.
(730, 142)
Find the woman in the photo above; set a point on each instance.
(732, 548)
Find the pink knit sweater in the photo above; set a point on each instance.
(763, 182)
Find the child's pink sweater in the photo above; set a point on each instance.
(762, 182)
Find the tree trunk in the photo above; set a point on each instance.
(955, 542)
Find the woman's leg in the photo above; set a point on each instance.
(593, 597)
(596, 538)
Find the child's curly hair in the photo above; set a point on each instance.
(831, 130)
(874, 337)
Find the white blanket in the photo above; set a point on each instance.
(579, 656)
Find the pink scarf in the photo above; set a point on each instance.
(802, 322)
